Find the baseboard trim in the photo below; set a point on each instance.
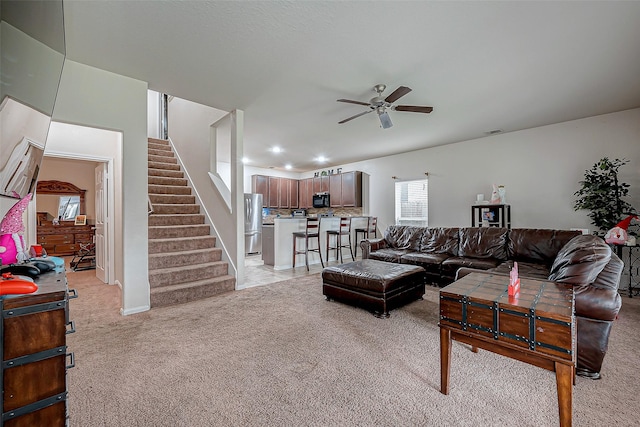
(135, 310)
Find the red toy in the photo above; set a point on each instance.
(10, 285)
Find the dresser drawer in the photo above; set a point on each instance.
(83, 238)
(56, 238)
(66, 249)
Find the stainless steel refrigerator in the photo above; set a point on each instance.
(252, 223)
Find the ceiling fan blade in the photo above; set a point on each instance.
(353, 102)
(413, 108)
(385, 120)
(397, 94)
(354, 117)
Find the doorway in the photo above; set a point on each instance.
(97, 153)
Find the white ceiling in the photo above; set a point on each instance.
(482, 66)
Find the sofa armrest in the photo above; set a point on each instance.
(597, 303)
(372, 245)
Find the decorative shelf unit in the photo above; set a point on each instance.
(491, 215)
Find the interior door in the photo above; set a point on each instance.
(102, 223)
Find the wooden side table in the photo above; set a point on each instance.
(536, 327)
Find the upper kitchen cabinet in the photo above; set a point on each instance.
(274, 192)
(321, 184)
(260, 185)
(294, 201)
(335, 190)
(305, 193)
(351, 189)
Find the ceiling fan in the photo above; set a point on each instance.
(380, 105)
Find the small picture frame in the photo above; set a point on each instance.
(81, 220)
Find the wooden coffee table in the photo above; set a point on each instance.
(537, 327)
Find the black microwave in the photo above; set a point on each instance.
(321, 200)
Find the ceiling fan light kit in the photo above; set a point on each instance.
(380, 105)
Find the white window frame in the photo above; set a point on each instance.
(412, 218)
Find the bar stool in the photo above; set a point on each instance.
(312, 230)
(372, 229)
(343, 230)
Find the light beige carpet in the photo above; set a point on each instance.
(280, 355)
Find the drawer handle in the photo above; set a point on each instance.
(72, 327)
(72, 360)
(72, 294)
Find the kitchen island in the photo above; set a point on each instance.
(283, 229)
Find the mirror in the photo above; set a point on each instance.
(61, 200)
(68, 207)
(33, 53)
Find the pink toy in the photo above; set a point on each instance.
(12, 246)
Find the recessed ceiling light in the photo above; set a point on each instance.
(287, 166)
(245, 160)
(276, 149)
(321, 159)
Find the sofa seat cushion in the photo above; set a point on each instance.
(529, 270)
(453, 263)
(430, 262)
(388, 254)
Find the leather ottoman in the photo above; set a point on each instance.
(377, 286)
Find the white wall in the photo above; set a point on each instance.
(541, 169)
(92, 97)
(153, 114)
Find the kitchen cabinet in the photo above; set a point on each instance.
(34, 353)
(335, 190)
(260, 185)
(294, 201)
(305, 193)
(351, 189)
(345, 189)
(321, 184)
(274, 192)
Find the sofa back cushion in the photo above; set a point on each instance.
(537, 245)
(440, 241)
(483, 242)
(581, 260)
(404, 237)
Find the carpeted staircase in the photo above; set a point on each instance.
(184, 264)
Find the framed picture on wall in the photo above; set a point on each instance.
(81, 220)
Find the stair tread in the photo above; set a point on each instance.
(178, 225)
(178, 239)
(169, 288)
(186, 267)
(178, 253)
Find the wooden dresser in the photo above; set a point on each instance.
(63, 239)
(34, 354)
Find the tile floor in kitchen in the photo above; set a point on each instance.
(256, 273)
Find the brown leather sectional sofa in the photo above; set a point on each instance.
(584, 261)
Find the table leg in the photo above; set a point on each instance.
(564, 382)
(445, 359)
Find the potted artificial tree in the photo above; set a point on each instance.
(602, 194)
